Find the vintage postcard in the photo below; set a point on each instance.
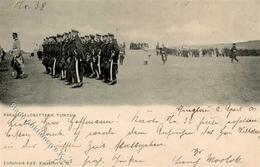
(138, 83)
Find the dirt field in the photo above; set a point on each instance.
(179, 81)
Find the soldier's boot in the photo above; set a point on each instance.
(93, 75)
(113, 82)
(77, 85)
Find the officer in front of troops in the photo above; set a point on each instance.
(113, 52)
(16, 62)
(76, 68)
(233, 54)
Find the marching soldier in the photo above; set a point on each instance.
(53, 56)
(163, 54)
(45, 54)
(233, 54)
(86, 56)
(91, 55)
(104, 59)
(58, 53)
(76, 67)
(63, 60)
(69, 59)
(113, 52)
(97, 57)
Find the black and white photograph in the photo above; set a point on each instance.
(129, 83)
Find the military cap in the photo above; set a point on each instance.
(105, 35)
(87, 36)
(98, 35)
(58, 35)
(110, 35)
(92, 36)
(76, 31)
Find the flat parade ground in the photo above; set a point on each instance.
(180, 81)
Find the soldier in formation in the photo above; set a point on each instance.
(70, 57)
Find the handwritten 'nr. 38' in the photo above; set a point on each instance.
(29, 5)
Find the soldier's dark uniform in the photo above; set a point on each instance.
(233, 54)
(54, 56)
(68, 59)
(113, 52)
(51, 54)
(46, 55)
(86, 57)
(58, 54)
(63, 60)
(91, 47)
(163, 54)
(104, 60)
(76, 68)
(97, 57)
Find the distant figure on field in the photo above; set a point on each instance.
(233, 54)
(122, 54)
(163, 53)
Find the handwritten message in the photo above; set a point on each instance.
(130, 136)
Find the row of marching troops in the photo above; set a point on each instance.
(203, 52)
(209, 52)
(136, 46)
(71, 57)
(189, 52)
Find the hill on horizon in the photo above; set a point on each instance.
(253, 44)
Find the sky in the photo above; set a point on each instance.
(172, 22)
